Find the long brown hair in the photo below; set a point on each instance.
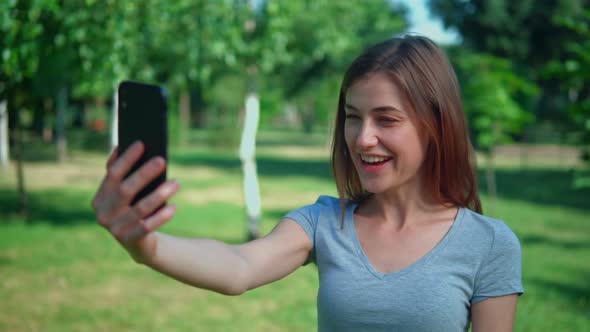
(423, 73)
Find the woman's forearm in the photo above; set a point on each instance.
(202, 263)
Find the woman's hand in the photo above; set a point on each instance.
(133, 226)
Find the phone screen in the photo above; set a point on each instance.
(142, 115)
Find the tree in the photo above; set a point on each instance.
(20, 28)
(4, 154)
(574, 73)
(489, 86)
(56, 53)
(316, 46)
(298, 42)
(527, 33)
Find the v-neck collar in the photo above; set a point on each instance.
(352, 233)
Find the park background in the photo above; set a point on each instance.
(523, 67)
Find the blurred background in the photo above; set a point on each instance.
(524, 69)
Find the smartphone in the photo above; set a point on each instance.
(142, 115)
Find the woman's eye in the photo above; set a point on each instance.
(388, 120)
(351, 116)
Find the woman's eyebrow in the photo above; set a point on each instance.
(378, 109)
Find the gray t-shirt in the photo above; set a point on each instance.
(478, 258)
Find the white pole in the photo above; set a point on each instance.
(4, 155)
(248, 158)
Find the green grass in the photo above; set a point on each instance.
(61, 272)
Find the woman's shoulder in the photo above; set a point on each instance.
(496, 252)
(485, 229)
(323, 205)
(329, 205)
(327, 200)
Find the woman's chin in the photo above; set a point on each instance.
(374, 188)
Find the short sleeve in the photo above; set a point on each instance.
(500, 272)
(308, 217)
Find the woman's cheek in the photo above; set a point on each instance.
(349, 135)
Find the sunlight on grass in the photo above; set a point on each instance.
(61, 272)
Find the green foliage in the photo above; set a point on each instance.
(574, 72)
(524, 31)
(528, 33)
(490, 87)
(313, 39)
(20, 27)
(90, 46)
(223, 117)
(307, 45)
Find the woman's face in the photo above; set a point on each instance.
(382, 138)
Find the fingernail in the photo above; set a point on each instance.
(170, 209)
(176, 184)
(157, 162)
(172, 186)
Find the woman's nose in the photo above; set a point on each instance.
(367, 136)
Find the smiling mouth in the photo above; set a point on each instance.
(374, 161)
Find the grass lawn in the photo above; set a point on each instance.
(59, 271)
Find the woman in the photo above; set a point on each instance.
(403, 248)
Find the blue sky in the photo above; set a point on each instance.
(422, 23)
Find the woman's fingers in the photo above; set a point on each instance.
(157, 198)
(121, 166)
(154, 222)
(113, 157)
(99, 196)
(107, 202)
(144, 207)
(141, 178)
(111, 203)
(138, 230)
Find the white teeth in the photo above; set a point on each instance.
(370, 159)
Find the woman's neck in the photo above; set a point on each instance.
(403, 208)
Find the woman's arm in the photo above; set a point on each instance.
(209, 264)
(495, 314)
(233, 269)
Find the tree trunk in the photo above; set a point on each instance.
(78, 110)
(491, 181)
(248, 158)
(308, 115)
(197, 107)
(184, 103)
(47, 131)
(524, 151)
(18, 155)
(39, 111)
(4, 152)
(60, 129)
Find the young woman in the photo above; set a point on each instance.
(404, 247)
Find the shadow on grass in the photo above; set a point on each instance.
(533, 240)
(68, 207)
(36, 150)
(55, 206)
(577, 294)
(543, 186)
(267, 166)
(5, 260)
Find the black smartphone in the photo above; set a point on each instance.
(142, 115)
